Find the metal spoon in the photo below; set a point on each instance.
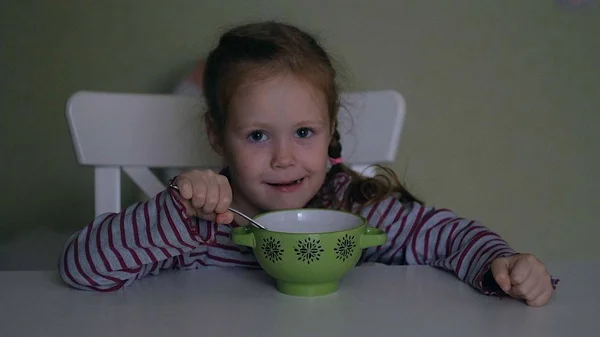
(252, 221)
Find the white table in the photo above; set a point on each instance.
(372, 301)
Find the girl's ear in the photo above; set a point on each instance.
(213, 138)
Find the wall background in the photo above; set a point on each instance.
(502, 99)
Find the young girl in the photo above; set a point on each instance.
(272, 106)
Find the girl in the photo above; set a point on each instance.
(272, 104)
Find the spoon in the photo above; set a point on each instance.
(252, 221)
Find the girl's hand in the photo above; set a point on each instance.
(523, 276)
(206, 195)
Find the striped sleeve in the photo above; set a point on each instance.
(116, 249)
(465, 247)
(422, 235)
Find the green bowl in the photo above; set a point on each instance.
(308, 251)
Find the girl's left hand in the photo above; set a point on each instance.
(523, 276)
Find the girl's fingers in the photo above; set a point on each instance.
(212, 195)
(521, 271)
(208, 194)
(199, 195)
(225, 218)
(185, 188)
(541, 299)
(225, 195)
(525, 289)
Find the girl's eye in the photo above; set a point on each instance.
(257, 136)
(304, 132)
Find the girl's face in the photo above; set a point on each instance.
(275, 143)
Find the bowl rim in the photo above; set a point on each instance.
(363, 220)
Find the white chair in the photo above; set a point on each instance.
(136, 132)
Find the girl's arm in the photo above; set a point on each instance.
(436, 237)
(116, 249)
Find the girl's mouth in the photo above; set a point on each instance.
(288, 183)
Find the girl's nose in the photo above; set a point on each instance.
(283, 155)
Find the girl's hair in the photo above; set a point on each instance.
(256, 51)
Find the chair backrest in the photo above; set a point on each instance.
(136, 132)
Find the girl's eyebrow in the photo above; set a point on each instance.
(252, 125)
(263, 125)
(318, 121)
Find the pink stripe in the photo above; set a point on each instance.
(161, 231)
(197, 256)
(414, 235)
(179, 205)
(223, 234)
(67, 272)
(187, 265)
(149, 233)
(494, 254)
(411, 232)
(90, 261)
(78, 264)
(386, 212)
(488, 260)
(417, 229)
(175, 230)
(209, 225)
(396, 218)
(163, 264)
(340, 181)
(393, 244)
(427, 234)
(450, 238)
(142, 272)
(468, 229)
(370, 215)
(231, 248)
(99, 243)
(187, 220)
(387, 230)
(478, 253)
(226, 260)
(474, 240)
(116, 287)
(111, 243)
(381, 219)
(439, 239)
(136, 234)
(124, 242)
(154, 267)
(95, 285)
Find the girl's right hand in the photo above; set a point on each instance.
(206, 195)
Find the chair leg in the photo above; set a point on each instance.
(107, 181)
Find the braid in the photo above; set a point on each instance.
(363, 190)
(335, 147)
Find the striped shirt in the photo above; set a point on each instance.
(116, 249)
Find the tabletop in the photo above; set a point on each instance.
(372, 301)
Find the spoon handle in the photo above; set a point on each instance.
(256, 224)
(247, 218)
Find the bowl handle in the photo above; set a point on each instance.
(372, 237)
(243, 236)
